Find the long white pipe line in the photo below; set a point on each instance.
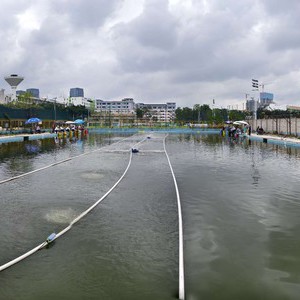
(42, 245)
(56, 163)
(181, 259)
(34, 171)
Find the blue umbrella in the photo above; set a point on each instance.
(33, 120)
(79, 121)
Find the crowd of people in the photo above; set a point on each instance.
(63, 130)
(236, 131)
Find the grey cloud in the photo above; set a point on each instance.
(283, 34)
(279, 7)
(85, 14)
(196, 52)
(167, 52)
(154, 29)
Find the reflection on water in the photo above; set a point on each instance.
(240, 203)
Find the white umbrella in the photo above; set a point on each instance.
(70, 122)
(240, 123)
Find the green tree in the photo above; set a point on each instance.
(139, 113)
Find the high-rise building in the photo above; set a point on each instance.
(266, 98)
(76, 92)
(20, 92)
(34, 92)
(251, 105)
(2, 96)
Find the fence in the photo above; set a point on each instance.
(285, 126)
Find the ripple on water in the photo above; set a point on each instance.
(61, 216)
(92, 175)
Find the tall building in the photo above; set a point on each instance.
(34, 92)
(76, 92)
(20, 92)
(251, 105)
(2, 96)
(266, 98)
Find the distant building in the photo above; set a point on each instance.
(126, 105)
(76, 92)
(2, 96)
(159, 112)
(13, 80)
(79, 101)
(20, 92)
(266, 98)
(293, 108)
(251, 105)
(77, 98)
(34, 92)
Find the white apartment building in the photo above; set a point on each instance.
(79, 101)
(160, 112)
(126, 105)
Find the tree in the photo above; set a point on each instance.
(139, 113)
(184, 115)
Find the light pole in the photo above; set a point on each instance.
(255, 86)
(89, 109)
(213, 110)
(54, 103)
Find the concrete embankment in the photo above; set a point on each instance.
(26, 137)
(275, 139)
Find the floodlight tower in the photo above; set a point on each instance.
(13, 80)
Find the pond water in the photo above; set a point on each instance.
(240, 205)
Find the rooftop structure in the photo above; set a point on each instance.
(76, 92)
(13, 80)
(34, 92)
(266, 98)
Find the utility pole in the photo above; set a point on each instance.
(213, 111)
(55, 110)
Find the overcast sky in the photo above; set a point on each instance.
(155, 51)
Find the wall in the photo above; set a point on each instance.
(288, 126)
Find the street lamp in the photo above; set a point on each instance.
(89, 109)
(54, 106)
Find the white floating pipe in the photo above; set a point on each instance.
(181, 257)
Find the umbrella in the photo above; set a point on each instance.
(228, 122)
(79, 121)
(240, 123)
(33, 120)
(70, 122)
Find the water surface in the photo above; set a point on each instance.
(240, 208)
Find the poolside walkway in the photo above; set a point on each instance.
(25, 137)
(275, 139)
(265, 138)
